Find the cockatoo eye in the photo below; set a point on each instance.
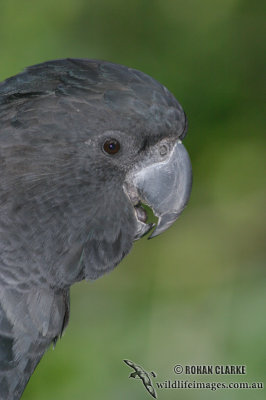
(111, 146)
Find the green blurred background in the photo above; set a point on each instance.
(196, 294)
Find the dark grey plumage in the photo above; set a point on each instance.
(64, 214)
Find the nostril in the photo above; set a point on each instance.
(163, 150)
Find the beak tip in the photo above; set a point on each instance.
(164, 222)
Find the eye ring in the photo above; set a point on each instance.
(111, 146)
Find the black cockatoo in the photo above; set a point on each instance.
(83, 145)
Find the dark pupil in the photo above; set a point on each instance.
(111, 146)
